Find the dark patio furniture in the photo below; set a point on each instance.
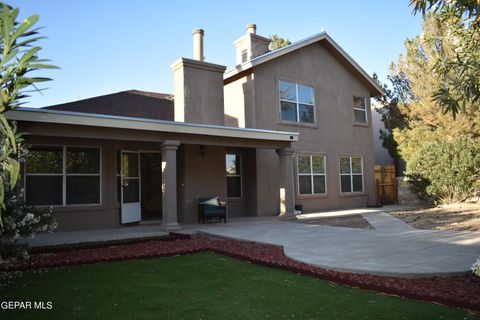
(211, 207)
(299, 207)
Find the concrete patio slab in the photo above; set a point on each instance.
(96, 236)
(393, 248)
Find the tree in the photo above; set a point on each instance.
(467, 9)
(390, 112)
(425, 132)
(425, 118)
(460, 71)
(277, 42)
(18, 60)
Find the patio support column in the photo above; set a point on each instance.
(169, 185)
(287, 193)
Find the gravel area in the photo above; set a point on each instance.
(458, 217)
(353, 221)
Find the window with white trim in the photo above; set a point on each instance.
(311, 174)
(351, 174)
(233, 166)
(360, 109)
(62, 175)
(297, 103)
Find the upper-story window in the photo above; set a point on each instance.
(360, 109)
(297, 102)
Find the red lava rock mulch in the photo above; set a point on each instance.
(461, 291)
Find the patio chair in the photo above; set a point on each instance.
(211, 207)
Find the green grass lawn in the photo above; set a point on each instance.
(202, 286)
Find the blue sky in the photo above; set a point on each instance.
(109, 46)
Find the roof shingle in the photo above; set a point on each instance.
(131, 103)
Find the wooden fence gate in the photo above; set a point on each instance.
(386, 184)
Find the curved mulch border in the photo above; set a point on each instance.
(461, 291)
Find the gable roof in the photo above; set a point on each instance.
(247, 67)
(131, 103)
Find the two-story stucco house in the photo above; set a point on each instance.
(283, 128)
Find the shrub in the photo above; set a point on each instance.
(20, 220)
(445, 171)
(476, 267)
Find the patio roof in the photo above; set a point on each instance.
(119, 122)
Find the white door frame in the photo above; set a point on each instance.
(132, 211)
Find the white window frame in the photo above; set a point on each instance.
(360, 109)
(64, 175)
(297, 103)
(351, 174)
(236, 175)
(312, 174)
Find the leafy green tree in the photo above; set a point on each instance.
(425, 119)
(277, 42)
(466, 9)
(18, 60)
(441, 151)
(460, 71)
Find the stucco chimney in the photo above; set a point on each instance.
(198, 44)
(252, 28)
(251, 45)
(198, 87)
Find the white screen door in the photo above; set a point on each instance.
(130, 182)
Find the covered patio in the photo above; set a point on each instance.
(192, 165)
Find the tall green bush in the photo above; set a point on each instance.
(446, 171)
(19, 61)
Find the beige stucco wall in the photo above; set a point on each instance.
(239, 105)
(203, 174)
(235, 108)
(334, 133)
(198, 89)
(268, 182)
